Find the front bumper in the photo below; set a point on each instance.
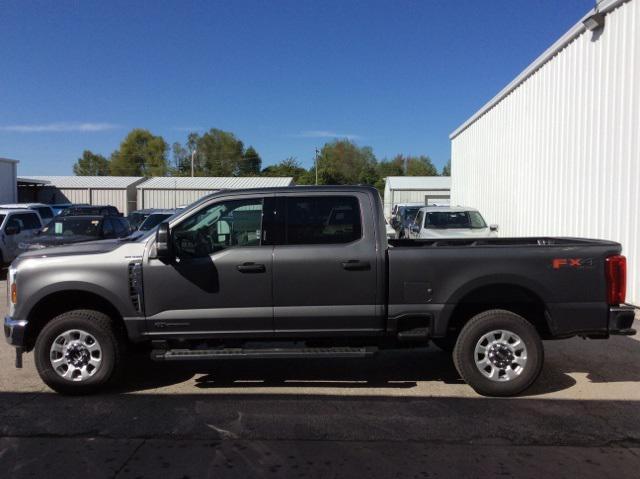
(14, 331)
(621, 320)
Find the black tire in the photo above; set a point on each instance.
(483, 323)
(97, 324)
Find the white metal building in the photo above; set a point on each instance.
(119, 191)
(171, 192)
(8, 180)
(557, 151)
(415, 189)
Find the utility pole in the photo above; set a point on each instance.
(317, 152)
(193, 154)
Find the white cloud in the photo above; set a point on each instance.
(59, 127)
(328, 134)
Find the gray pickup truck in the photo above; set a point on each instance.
(308, 272)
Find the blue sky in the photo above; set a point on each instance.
(284, 76)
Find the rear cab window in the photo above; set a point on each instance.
(322, 220)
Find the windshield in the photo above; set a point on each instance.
(454, 219)
(83, 211)
(73, 227)
(410, 213)
(153, 220)
(136, 218)
(1, 219)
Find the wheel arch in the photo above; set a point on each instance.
(512, 293)
(58, 302)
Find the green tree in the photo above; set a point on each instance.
(219, 153)
(91, 164)
(141, 154)
(287, 167)
(394, 167)
(251, 163)
(446, 169)
(417, 165)
(343, 162)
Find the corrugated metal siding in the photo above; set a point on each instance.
(215, 182)
(169, 198)
(109, 182)
(8, 171)
(560, 154)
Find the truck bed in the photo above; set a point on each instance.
(567, 275)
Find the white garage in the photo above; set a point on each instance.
(172, 192)
(119, 191)
(557, 151)
(8, 180)
(415, 189)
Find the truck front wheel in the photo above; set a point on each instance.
(78, 351)
(498, 353)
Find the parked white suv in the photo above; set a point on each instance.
(45, 211)
(450, 222)
(16, 226)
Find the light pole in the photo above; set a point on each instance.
(193, 154)
(317, 166)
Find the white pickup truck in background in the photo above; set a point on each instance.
(450, 222)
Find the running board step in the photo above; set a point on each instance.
(260, 353)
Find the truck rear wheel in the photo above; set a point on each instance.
(498, 353)
(78, 352)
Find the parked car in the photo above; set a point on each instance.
(312, 265)
(16, 226)
(60, 207)
(404, 215)
(136, 218)
(45, 211)
(391, 233)
(91, 210)
(450, 222)
(155, 218)
(65, 230)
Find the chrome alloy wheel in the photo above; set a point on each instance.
(500, 355)
(75, 355)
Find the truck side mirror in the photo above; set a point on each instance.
(415, 228)
(493, 227)
(163, 241)
(12, 230)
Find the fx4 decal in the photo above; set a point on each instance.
(577, 263)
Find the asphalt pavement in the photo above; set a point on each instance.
(401, 414)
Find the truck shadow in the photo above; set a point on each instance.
(599, 361)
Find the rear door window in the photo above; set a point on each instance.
(322, 220)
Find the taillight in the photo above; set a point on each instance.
(616, 269)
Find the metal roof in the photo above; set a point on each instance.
(604, 6)
(213, 182)
(419, 182)
(106, 182)
(9, 160)
(31, 181)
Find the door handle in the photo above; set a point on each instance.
(251, 268)
(356, 265)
